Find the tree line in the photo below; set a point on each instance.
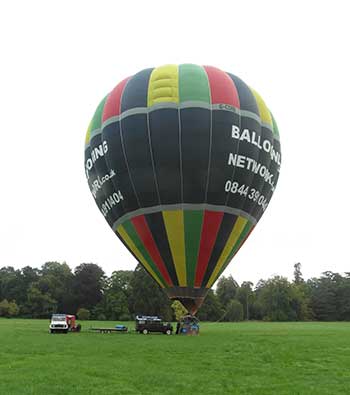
(88, 292)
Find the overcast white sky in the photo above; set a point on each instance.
(58, 59)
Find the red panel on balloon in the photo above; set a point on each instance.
(222, 88)
(145, 235)
(112, 105)
(211, 224)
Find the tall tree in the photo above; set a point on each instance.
(226, 290)
(343, 298)
(245, 295)
(29, 276)
(211, 309)
(324, 296)
(87, 287)
(298, 277)
(116, 294)
(279, 300)
(57, 280)
(40, 304)
(234, 311)
(147, 297)
(10, 284)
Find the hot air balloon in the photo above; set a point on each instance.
(182, 161)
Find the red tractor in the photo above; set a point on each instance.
(63, 323)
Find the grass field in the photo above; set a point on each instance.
(244, 358)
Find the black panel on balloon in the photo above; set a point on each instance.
(247, 100)
(247, 155)
(116, 160)
(136, 90)
(107, 198)
(258, 185)
(274, 170)
(222, 146)
(225, 230)
(164, 130)
(137, 150)
(195, 138)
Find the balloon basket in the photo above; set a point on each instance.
(188, 326)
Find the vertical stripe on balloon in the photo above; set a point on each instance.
(88, 134)
(232, 240)
(193, 84)
(193, 87)
(263, 110)
(247, 100)
(222, 88)
(225, 230)
(156, 224)
(112, 105)
(145, 235)
(210, 228)
(136, 91)
(164, 85)
(174, 224)
(97, 118)
(129, 235)
(193, 220)
(195, 128)
(274, 127)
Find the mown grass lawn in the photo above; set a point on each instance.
(244, 358)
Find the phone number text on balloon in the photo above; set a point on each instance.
(246, 191)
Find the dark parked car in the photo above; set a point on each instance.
(146, 324)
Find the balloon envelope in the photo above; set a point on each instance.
(182, 161)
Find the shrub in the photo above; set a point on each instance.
(83, 314)
(8, 309)
(13, 309)
(4, 308)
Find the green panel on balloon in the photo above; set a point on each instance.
(193, 221)
(97, 119)
(135, 238)
(193, 83)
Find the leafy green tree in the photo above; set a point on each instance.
(279, 300)
(29, 276)
(234, 311)
(324, 296)
(13, 309)
(116, 295)
(121, 280)
(147, 297)
(256, 309)
(226, 289)
(10, 284)
(88, 283)
(211, 309)
(245, 296)
(116, 306)
(298, 277)
(56, 280)
(4, 308)
(343, 298)
(40, 304)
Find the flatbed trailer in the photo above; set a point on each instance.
(110, 330)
